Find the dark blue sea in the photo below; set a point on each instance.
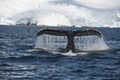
(17, 62)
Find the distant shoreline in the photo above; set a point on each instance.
(46, 26)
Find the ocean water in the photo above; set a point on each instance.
(19, 62)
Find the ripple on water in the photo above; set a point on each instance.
(19, 62)
(17, 71)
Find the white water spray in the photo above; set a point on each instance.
(50, 42)
(82, 43)
(90, 43)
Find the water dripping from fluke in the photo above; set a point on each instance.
(64, 41)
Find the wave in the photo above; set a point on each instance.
(54, 13)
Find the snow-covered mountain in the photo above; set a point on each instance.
(98, 13)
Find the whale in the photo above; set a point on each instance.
(70, 34)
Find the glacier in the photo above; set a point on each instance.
(60, 12)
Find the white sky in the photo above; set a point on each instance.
(100, 4)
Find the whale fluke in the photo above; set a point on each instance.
(52, 32)
(87, 33)
(70, 36)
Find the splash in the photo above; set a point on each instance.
(90, 43)
(70, 53)
(49, 42)
(57, 43)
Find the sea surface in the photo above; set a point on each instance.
(19, 62)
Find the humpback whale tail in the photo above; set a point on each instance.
(62, 40)
(66, 33)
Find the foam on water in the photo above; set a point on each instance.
(70, 53)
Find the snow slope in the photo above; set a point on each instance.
(60, 12)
